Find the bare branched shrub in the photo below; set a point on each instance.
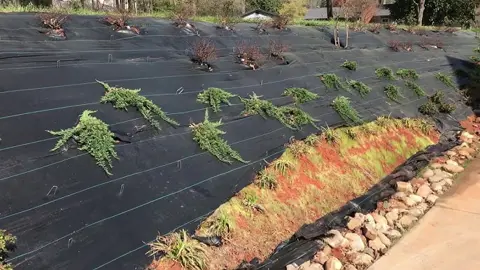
(249, 54)
(375, 28)
(407, 46)
(451, 29)
(119, 19)
(392, 27)
(204, 51)
(394, 45)
(277, 48)
(53, 20)
(262, 27)
(280, 22)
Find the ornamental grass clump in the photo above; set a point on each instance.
(207, 135)
(214, 97)
(179, 247)
(122, 99)
(93, 136)
(416, 88)
(435, 104)
(300, 95)
(343, 107)
(333, 81)
(385, 72)
(405, 74)
(361, 88)
(393, 92)
(429, 108)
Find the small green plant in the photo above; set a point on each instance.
(312, 140)
(291, 117)
(393, 92)
(122, 98)
(409, 74)
(294, 118)
(300, 95)
(446, 107)
(446, 79)
(7, 245)
(476, 50)
(220, 224)
(283, 165)
(254, 105)
(249, 199)
(207, 135)
(298, 148)
(333, 81)
(93, 136)
(179, 247)
(428, 108)
(475, 58)
(362, 88)
(438, 97)
(350, 65)
(213, 97)
(351, 133)
(343, 107)
(385, 72)
(330, 134)
(266, 179)
(416, 88)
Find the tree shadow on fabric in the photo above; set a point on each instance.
(467, 76)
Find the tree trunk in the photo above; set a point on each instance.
(329, 9)
(346, 34)
(421, 9)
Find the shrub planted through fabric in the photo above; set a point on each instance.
(393, 92)
(429, 108)
(7, 245)
(410, 74)
(291, 117)
(333, 81)
(350, 65)
(220, 225)
(122, 98)
(343, 107)
(179, 247)
(362, 88)
(300, 95)
(416, 88)
(446, 79)
(214, 97)
(207, 135)
(93, 136)
(385, 72)
(446, 108)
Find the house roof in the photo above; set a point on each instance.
(260, 11)
(321, 13)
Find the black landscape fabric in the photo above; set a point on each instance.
(63, 208)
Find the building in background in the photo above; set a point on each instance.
(258, 14)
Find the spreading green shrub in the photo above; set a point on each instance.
(214, 97)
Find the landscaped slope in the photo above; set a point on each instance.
(312, 178)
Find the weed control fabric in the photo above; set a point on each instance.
(68, 213)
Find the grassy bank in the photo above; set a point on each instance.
(313, 177)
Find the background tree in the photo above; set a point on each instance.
(294, 8)
(436, 12)
(267, 5)
(421, 8)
